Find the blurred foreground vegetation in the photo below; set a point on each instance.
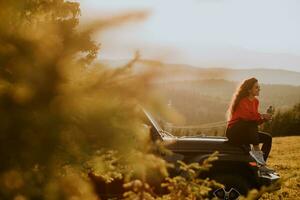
(57, 107)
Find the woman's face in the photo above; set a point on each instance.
(255, 90)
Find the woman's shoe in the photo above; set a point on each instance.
(258, 156)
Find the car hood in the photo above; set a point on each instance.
(201, 144)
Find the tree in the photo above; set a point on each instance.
(57, 106)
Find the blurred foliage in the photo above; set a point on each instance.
(188, 185)
(138, 190)
(57, 106)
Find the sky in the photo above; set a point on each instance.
(204, 33)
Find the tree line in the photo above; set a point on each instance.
(284, 122)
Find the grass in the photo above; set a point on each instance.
(285, 158)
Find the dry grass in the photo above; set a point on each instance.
(285, 158)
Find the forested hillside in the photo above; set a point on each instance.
(206, 101)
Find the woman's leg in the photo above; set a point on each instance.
(246, 132)
(253, 133)
(243, 132)
(254, 136)
(266, 139)
(234, 133)
(256, 152)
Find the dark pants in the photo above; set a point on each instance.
(246, 132)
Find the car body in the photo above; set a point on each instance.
(233, 161)
(235, 168)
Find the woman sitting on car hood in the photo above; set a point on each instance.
(244, 118)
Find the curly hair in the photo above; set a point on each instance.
(241, 92)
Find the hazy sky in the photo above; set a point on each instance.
(207, 33)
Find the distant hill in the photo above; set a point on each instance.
(179, 72)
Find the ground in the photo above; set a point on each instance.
(285, 158)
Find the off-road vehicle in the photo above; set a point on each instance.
(235, 168)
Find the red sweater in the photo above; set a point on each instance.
(247, 110)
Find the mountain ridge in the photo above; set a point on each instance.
(173, 71)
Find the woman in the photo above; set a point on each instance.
(244, 118)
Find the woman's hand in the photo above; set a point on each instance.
(266, 116)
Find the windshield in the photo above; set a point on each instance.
(156, 125)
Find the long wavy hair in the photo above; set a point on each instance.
(241, 92)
